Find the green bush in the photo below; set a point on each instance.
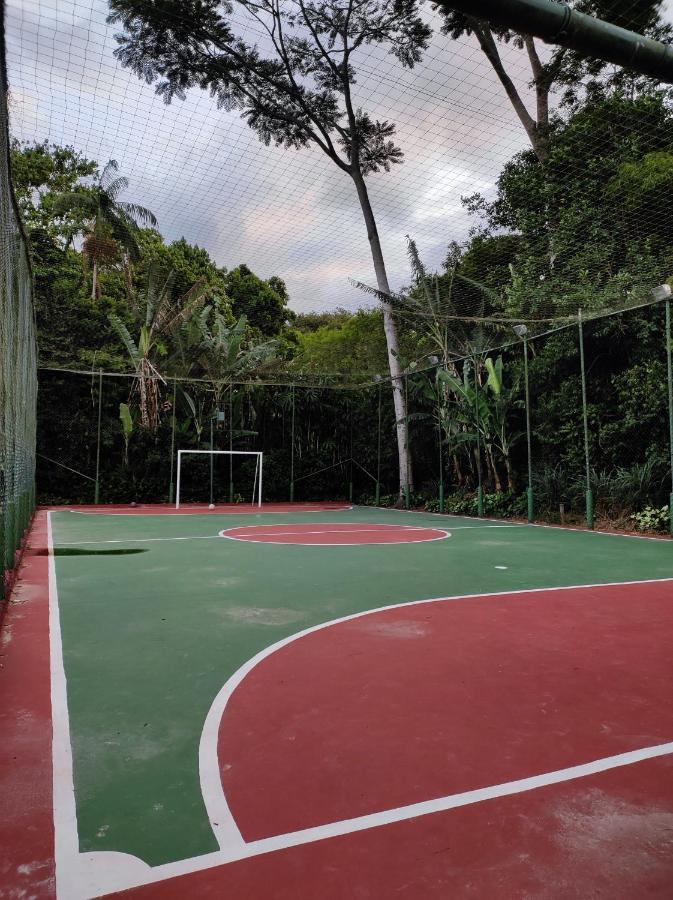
(652, 518)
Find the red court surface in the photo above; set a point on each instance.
(608, 836)
(346, 534)
(401, 706)
(397, 707)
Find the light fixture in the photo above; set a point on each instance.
(377, 378)
(520, 330)
(433, 360)
(662, 292)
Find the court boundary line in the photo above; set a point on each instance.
(243, 540)
(84, 875)
(422, 512)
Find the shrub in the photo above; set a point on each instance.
(652, 518)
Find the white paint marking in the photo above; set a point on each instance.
(417, 512)
(198, 537)
(254, 537)
(501, 567)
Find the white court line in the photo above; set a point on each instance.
(257, 537)
(209, 537)
(419, 512)
(203, 510)
(80, 876)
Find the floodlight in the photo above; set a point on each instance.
(520, 330)
(433, 360)
(377, 378)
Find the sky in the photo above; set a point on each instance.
(292, 213)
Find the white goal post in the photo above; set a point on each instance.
(257, 486)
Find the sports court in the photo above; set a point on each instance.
(310, 700)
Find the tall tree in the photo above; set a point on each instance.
(295, 92)
(560, 67)
(110, 223)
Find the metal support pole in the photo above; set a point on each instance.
(350, 464)
(170, 486)
(231, 443)
(377, 499)
(480, 489)
(669, 369)
(529, 492)
(292, 452)
(439, 443)
(407, 488)
(585, 417)
(211, 460)
(96, 495)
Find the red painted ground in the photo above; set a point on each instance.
(323, 533)
(26, 825)
(608, 836)
(423, 701)
(164, 509)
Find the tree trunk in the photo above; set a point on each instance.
(94, 280)
(390, 329)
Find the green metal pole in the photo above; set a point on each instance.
(407, 489)
(439, 444)
(96, 496)
(292, 453)
(211, 460)
(529, 492)
(377, 499)
(585, 417)
(350, 464)
(480, 489)
(669, 368)
(171, 487)
(231, 443)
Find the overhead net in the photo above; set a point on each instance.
(18, 364)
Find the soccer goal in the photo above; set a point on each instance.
(257, 483)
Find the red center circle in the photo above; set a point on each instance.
(329, 533)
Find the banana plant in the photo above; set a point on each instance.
(159, 315)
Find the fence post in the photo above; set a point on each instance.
(292, 452)
(480, 489)
(407, 488)
(96, 493)
(439, 442)
(669, 369)
(171, 488)
(231, 443)
(585, 417)
(529, 492)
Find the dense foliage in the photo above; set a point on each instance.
(583, 228)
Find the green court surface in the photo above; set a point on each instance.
(158, 611)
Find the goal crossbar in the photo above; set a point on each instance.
(257, 486)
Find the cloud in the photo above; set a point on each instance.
(287, 212)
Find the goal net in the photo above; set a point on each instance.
(202, 477)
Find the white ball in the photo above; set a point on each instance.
(211, 506)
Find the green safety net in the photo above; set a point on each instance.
(18, 365)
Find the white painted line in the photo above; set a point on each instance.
(503, 568)
(257, 537)
(219, 814)
(203, 510)
(418, 512)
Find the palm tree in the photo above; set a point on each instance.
(112, 224)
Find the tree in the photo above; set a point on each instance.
(300, 94)
(110, 223)
(40, 173)
(259, 301)
(563, 68)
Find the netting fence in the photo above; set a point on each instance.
(570, 424)
(18, 362)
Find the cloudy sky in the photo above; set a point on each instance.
(292, 213)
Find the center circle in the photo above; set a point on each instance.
(331, 534)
